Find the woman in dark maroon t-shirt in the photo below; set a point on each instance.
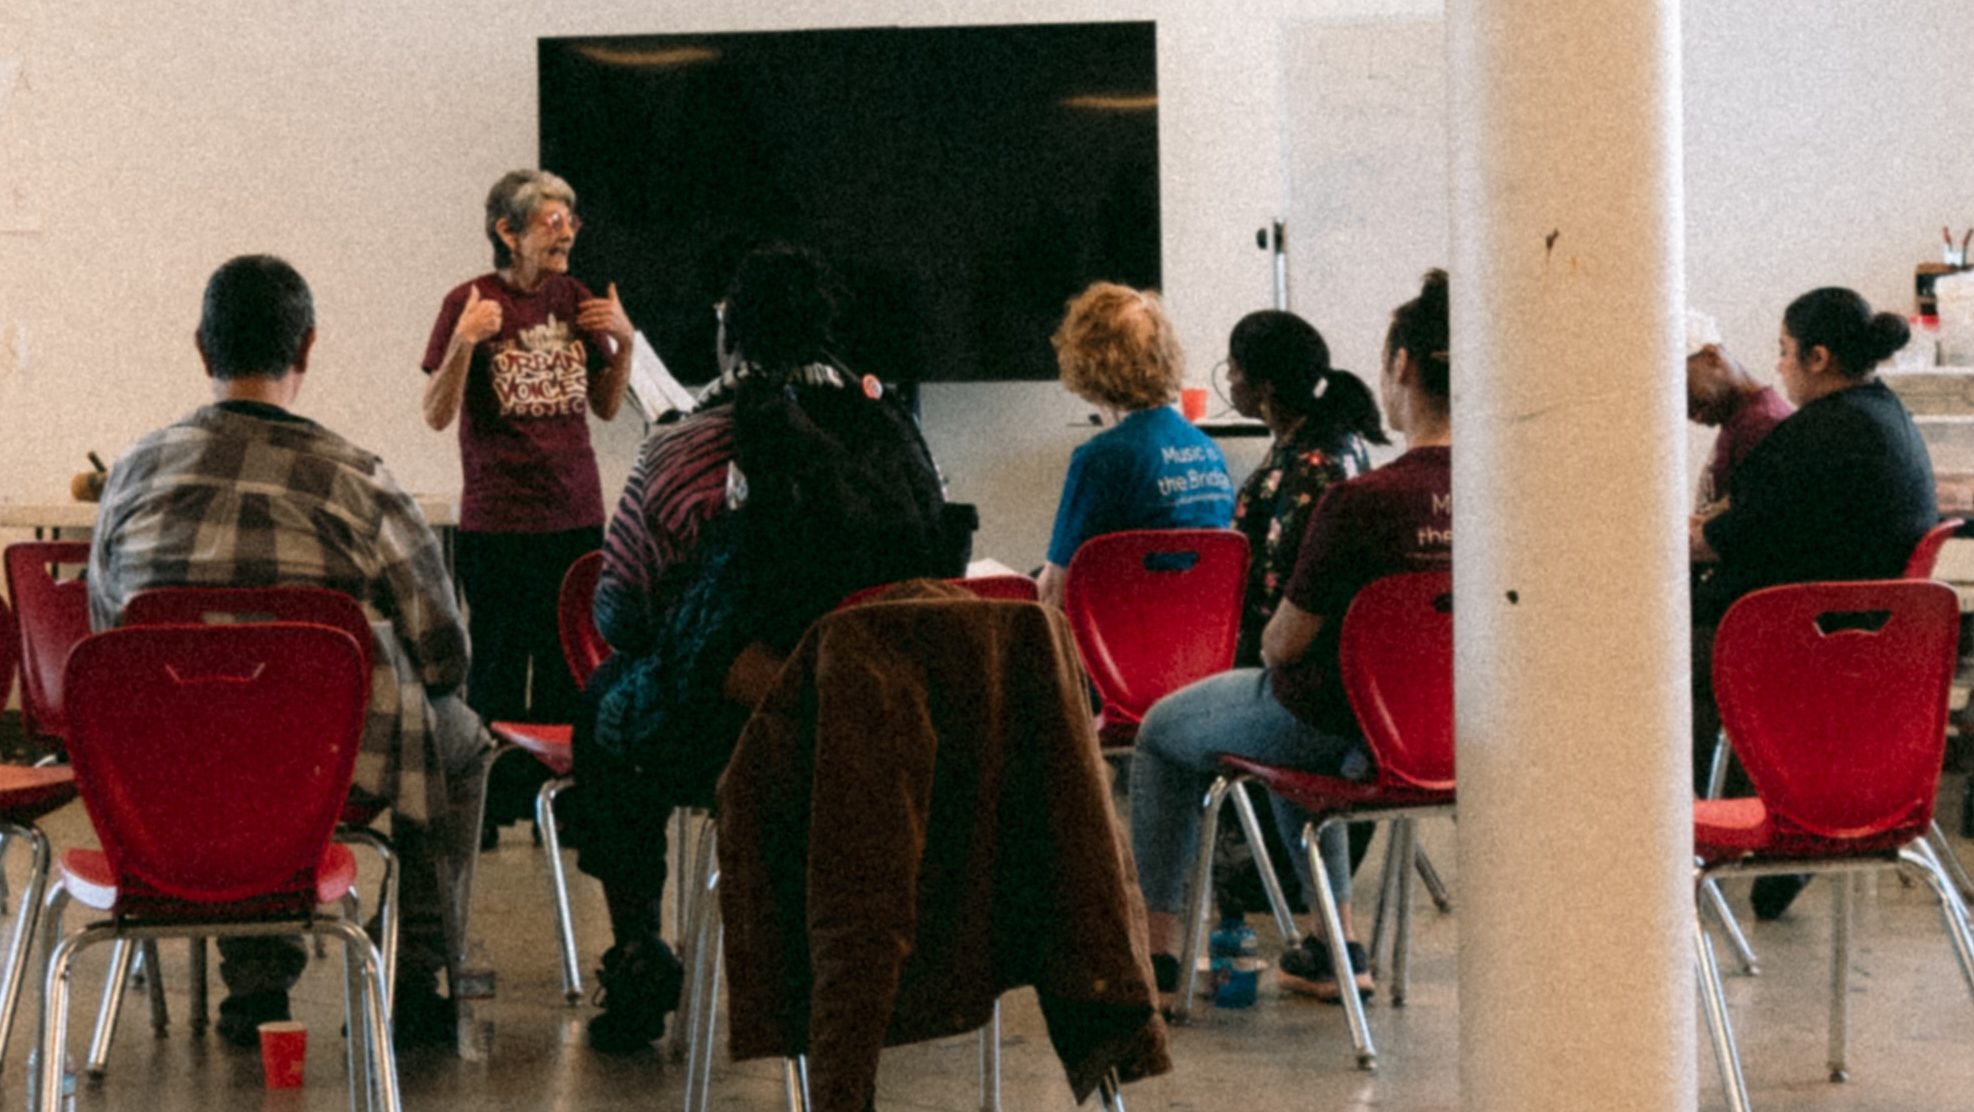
(521, 356)
(1293, 712)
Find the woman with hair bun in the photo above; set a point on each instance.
(1841, 489)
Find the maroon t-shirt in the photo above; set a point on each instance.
(1398, 518)
(1754, 415)
(524, 425)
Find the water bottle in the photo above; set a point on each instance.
(1234, 967)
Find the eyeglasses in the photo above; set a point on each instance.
(559, 221)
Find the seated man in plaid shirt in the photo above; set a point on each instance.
(245, 493)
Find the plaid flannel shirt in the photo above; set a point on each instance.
(230, 498)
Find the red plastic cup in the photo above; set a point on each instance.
(283, 1052)
(1192, 403)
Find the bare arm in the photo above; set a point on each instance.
(606, 314)
(1289, 633)
(445, 388)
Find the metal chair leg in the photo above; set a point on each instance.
(1195, 911)
(110, 1009)
(572, 975)
(1270, 883)
(1435, 887)
(196, 975)
(1113, 1101)
(1717, 770)
(154, 987)
(795, 1082)
(387, 896)
(1401, 950)
(1353, 1005)
(990, 1062)
(1943, 849)
(703, 845)
(1389, 879)
(1953, 910)
(1727, 1060)
(26, 917)
(382, 1063)
(1840, 975)
(1712, 900)
(702, 1000)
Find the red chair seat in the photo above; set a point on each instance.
(548, 743)
(1116, 733)
(1733, 829)
(1327, 795)
(28, 793)
(362, 811)
(86, 873)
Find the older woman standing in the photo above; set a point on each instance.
(520, 356)
(1150, 468)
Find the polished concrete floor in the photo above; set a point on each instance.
(1912, 1022)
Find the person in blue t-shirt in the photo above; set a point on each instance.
(1150, 468)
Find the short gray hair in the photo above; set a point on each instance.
(514, 198)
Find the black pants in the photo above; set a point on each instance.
(621, 828)
(512, 583)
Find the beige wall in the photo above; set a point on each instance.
(147, 141)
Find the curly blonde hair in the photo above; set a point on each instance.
(1116, 347)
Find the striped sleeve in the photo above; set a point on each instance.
(678, 485)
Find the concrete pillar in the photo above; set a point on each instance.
(1569, 510)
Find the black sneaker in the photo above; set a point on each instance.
(638, 986)
(420, 1017)
(1307, 970)
(1772, 895)
(241, 1014)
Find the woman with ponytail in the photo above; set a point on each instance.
(1841, 489)
(1278, 371)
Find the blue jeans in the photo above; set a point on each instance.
(1174, 763)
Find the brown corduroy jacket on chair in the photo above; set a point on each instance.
(916, 820)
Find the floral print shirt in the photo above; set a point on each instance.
(1272, 510)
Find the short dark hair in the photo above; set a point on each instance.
(256, 314)
(1423, 326)
(1285, 351)
(781, 307)
(1841, 322)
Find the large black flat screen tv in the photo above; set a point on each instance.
(963, 181)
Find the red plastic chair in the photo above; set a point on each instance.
(10, 650)
(214, 762)
(575, 613)
(550, 743)
(53, 616)
(1010, 588)
(1396, 657)
(231, 606)
(1926, 553)
(26, 794)
(1836, 697)
(1153, 610)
